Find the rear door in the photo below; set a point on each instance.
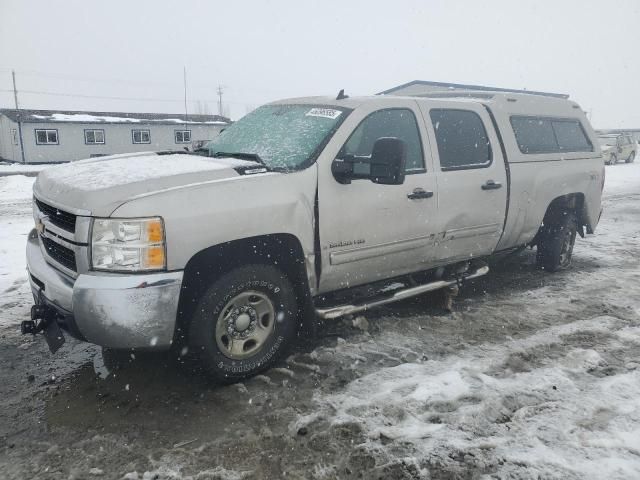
(369, 231)
(471, 177)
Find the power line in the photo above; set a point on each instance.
(140, 83)
(103, 97)
(79, 95)
(108, 80)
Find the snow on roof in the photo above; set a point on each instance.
(79, 117)
(62, 116)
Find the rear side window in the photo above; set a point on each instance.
(571, 136)
(550, 135)
(462, 139)
(396, 122)
(534, 135)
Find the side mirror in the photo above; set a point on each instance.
(385, 166)
(342, 169)
(388, 160)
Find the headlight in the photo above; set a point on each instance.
(135, 244)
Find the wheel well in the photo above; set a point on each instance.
(569, 202)
(283, 251)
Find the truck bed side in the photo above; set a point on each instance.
(537, 180)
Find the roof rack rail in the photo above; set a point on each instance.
(443, 87)
(458, 94)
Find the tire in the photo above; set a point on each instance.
(116, 359)
(555, 247)
(244, 322)
(613, 160)
(631, 158)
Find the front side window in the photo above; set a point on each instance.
(141, 136)
(283, 136)
(399, 123)
(94, 137)
(183, 136)
(462, 139)
(46, 137)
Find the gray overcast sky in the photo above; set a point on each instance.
(265, 50)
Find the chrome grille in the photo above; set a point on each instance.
(59, 253)
(60, 218)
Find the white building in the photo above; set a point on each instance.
(43, 136)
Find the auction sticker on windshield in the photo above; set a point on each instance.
(323, 112)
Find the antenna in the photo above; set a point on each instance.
(341, 95)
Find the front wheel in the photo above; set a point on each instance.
(612, 160)
(244, 322)
(557, 239)
(631, 158)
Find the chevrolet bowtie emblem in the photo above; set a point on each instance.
(40, 223)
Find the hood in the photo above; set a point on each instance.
(100, 185)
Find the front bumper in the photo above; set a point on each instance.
(111, 310)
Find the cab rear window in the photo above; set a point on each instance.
(550, 135)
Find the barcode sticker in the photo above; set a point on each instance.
(324, 112)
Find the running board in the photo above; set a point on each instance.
(341, 310)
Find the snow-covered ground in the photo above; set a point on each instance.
(532, 376)
(7, 168)
(15, 223)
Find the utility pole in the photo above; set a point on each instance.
(18, 115)
(220, 91)
(186, 117)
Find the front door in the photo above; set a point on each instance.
(472, 180)
(368, 231)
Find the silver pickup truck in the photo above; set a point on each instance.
(305, 207)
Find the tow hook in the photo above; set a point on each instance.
(33, 326)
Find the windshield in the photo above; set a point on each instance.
(282, 136)
(610, 141)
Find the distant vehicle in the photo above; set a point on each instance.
(617, 147)
(309, 206)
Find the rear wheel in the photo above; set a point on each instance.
(555, 247)
(115, 359)
(631, 158)
(244, 322)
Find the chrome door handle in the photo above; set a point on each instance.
(491, 185)
(419, 193)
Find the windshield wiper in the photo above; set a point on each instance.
(252, 157)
